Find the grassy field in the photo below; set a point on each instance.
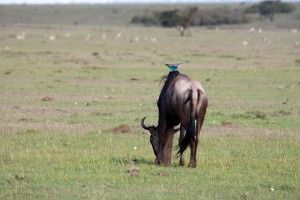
(63, 100)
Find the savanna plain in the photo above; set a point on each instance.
(72, 96)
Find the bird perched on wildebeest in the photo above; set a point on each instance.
(173, 67)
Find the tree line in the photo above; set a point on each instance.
(193, 16)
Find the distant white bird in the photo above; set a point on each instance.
(118, 36)
(252, 30)
(245, 43)
(295, 30)
(52, 37)
(21, 36)
(154, 39)
(88, 37)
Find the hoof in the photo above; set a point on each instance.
(181, 163)
(192, 165)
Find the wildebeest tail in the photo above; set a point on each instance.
(190, 131)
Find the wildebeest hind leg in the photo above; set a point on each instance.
(181, 157)
(194, 145)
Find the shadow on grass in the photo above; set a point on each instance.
(136, 161)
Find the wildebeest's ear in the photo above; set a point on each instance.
(153, 131)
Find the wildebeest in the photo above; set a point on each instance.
(181, 101)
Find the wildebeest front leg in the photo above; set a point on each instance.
(159, 153)
(164, 155)
(182, 134)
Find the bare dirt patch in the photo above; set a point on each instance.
(122, 129)
(47, 98)
(134, 171)
(228, 124)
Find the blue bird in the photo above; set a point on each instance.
(173, 67)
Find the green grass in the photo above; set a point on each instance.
(66, 148)
(93, 165)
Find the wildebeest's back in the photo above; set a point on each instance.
(178, 95)
(170, 98)
(185, 93)
(181, 95)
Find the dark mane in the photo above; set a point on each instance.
(167, 79)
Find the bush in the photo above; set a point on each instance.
(170, 18)
(148, 19)
(192, 16)
(269, 8)
(221, 17)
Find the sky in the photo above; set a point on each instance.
(118, 1)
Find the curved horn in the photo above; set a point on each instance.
(143, 124)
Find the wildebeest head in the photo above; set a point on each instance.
(153, 135)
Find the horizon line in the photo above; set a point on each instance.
(55, 2)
